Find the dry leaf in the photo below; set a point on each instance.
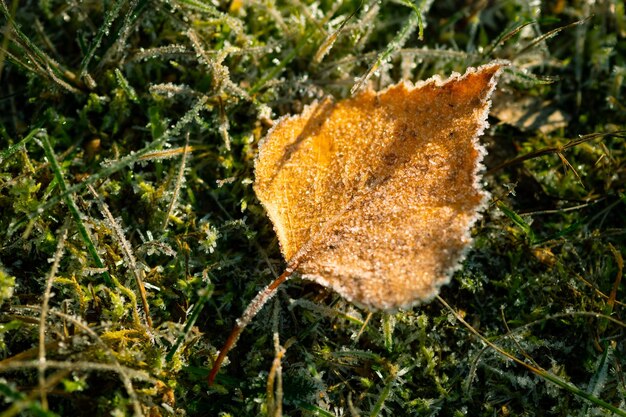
(530, 113)
(374, 196)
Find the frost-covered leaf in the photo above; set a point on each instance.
(374, 196)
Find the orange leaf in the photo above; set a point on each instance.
(374, 196)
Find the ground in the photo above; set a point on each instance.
(132, 239)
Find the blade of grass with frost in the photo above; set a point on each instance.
(124, 84)
(549, 150)
(418, 12)
(328, 43)
(598, 379)
(518, 220)
(44, 64)
(552, 33)
(71, 204)
(6, 153)
(415, 20)
(193, 317)
(109, 17)
(273, 73)
(117, 232)
(506, 34)
(125, 161)
(384, 394)
(109, 279)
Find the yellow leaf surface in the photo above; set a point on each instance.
(374, 196)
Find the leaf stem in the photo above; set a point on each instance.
(253, 308)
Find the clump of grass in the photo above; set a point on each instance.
(132, 239)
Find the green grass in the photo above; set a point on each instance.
(128, 131)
